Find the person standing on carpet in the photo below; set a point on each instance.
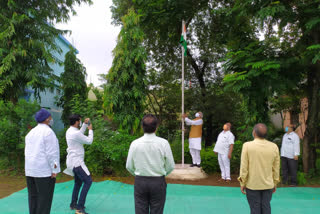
(42, 163)
(259, 170)
(150, 159)
(75, 161)
(224, 148)
(195, 137)
(290, 151)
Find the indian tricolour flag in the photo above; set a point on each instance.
(183, 39)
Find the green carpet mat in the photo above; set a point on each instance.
(115, 197)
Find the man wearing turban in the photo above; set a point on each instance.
(42, 163)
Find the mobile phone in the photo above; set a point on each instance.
(89, 123)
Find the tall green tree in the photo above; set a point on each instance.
(207, 32)
(125, 89)
(73, 82)
(287, 59)
(27, 44)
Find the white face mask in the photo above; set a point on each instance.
(197, 115)
(51, 122)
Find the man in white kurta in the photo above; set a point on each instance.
(195, 137)
(42, 163)
(223, 148)
(75, 161)
(290, 151)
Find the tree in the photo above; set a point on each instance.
(16, 120)
(206, 32)
(27, 44)
(125, 89)
(287, 59)
(73, 82)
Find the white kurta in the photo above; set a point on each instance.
(194, 143)
(75, 140)
(222, 147)
(42, 156)
(225, 139)
(290, 146)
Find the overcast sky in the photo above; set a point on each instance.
(94, 36)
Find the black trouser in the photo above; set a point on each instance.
(289, 170)
(149, 194)
(80, 177)
(40, 194)
(259, 201)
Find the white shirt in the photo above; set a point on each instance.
(42, 156)
(150, 155)
(290, 145)
(225, 139)
(194, 143)
(75, 140)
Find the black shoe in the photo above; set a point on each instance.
(192, 165)
(198, 165)
(81, 211)
(74, 207)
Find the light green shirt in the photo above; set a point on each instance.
(150, 155)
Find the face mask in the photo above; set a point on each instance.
(197, 115)
(286, 129)
(51, 122)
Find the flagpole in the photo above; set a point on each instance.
(182, 96)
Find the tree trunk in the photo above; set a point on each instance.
(313, 88)
(313, 115)
(209, 131)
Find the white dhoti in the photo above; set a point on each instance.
(195, 148)
(224, 163)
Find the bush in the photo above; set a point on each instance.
(16, 120)
(318, 162)
(301, 178)
(236, 157)
(175, 145)
(108, 154)
(209, 160)
(63, 148)
(176, 148)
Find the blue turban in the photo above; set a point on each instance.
(42, 115)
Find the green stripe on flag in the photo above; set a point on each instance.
(183, 42)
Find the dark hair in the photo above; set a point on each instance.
(74, 118)
(261, 130)
(149, 123)
(294, 127)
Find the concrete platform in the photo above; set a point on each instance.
(187, 173)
